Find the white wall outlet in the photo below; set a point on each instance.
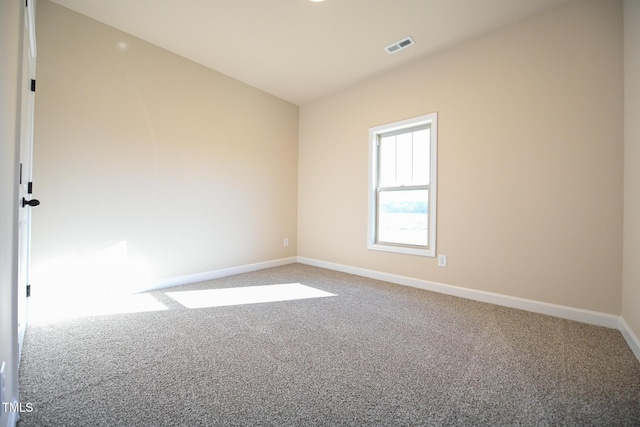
(286, 242)
(442, 260)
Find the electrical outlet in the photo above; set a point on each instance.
(442, 260)
(286, 242)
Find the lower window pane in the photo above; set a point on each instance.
(403, 217)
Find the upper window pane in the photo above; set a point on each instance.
(421, 158)
(404, 159)
(387, 175)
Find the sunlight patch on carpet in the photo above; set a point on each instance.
(47, 309)
(246, 295)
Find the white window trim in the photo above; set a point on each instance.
(432, 121)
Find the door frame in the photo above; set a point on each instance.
(27, 112)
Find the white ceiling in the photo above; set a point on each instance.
(299, 50)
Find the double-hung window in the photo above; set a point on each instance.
(402, 186)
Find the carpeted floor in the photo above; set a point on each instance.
(376, 354)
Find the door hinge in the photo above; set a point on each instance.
(28, 291)
(30, 188)
(33, 85)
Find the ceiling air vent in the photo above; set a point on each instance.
(399, 45)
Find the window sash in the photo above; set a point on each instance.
(394, 236)
(403, 241)
(394, 165)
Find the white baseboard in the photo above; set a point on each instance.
(216, 274)
(564, 312)
(630, 337)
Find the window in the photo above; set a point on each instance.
(402, 186)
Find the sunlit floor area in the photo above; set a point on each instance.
(246, 295)
(62, 306)
(51, 308)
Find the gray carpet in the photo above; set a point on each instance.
(377, 354)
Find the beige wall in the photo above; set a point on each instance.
(631, 270)
(149, 166)
(530, 161)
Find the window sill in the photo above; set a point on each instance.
(402, 250)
